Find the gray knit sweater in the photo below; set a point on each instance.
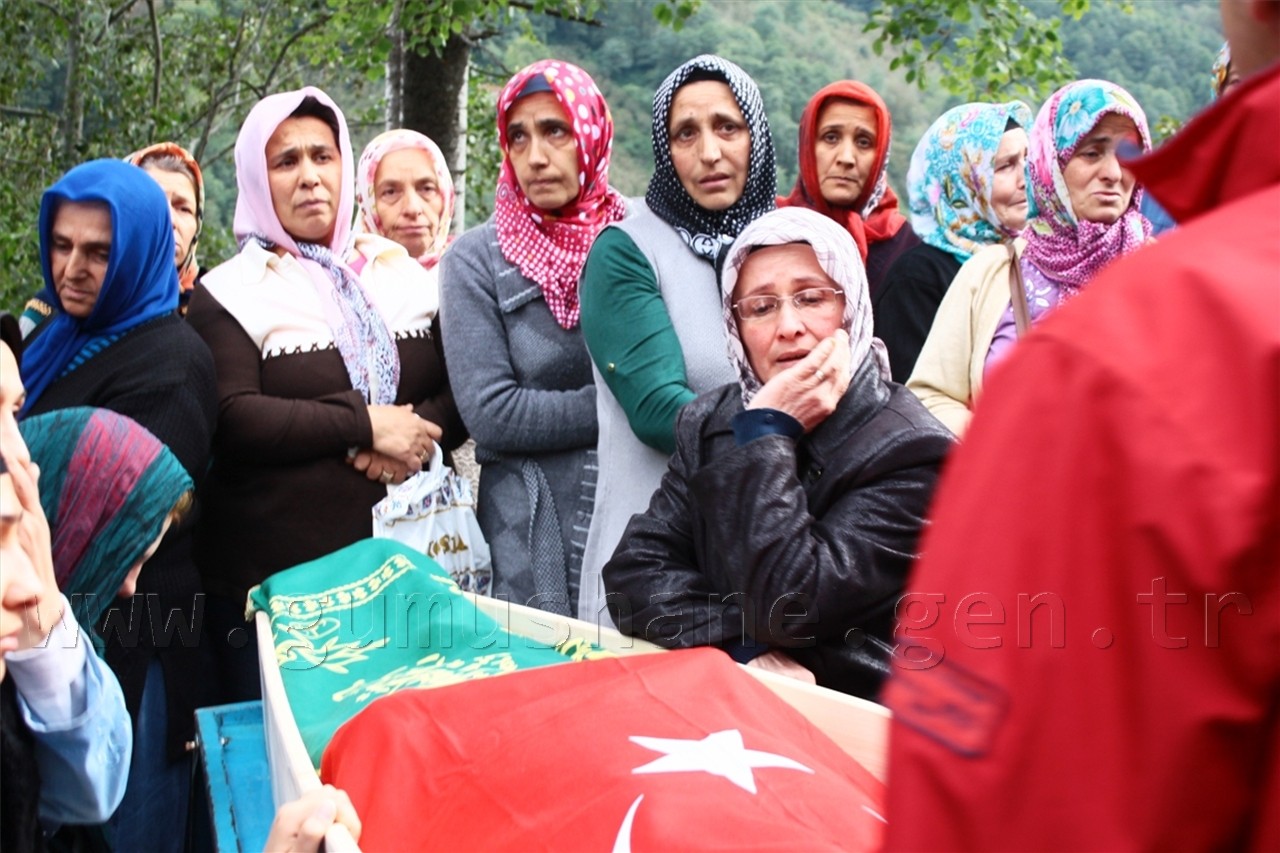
(524, 388)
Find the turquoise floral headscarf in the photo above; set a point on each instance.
(1068, 251)
(950, 179)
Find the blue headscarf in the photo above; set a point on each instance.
(141, 281)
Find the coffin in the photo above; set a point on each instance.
(858, 726)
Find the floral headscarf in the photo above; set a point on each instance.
(708, 232)
(874, 217)
(368, 351)
(1068, 251)
(950, 179)
(367, 170)
(141, 281)
(188, 269)
(839, 259)
(107, 486)
(551, 247)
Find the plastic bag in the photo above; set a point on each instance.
(434, 512)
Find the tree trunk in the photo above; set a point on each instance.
(433, 101)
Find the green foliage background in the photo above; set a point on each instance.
(220, 55)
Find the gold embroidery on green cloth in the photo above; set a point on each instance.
(434, 670)
(354, 594)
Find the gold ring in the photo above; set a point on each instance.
(386, 477)
(424, 456)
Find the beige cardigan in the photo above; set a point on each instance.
(948, 375)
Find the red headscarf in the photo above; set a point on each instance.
(874, 217)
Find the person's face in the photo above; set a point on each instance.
(79, 254)
(776, 342)
(19, 585)
(304, 170)
(710, 143)
(12, 397)
(130, 584)
(408, 200)
(845, 147)
(1009, 182)
(542, 150)
(1097, 185)
(182, 208)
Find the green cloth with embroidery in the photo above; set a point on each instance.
(374, 618)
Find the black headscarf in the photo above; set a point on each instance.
(709, 232)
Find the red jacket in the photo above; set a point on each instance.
(1099, 666)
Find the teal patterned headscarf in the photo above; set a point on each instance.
(107, 485)
(950, 179)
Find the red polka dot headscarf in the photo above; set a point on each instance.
(550, 247)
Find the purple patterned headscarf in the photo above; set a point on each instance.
(1069, 251)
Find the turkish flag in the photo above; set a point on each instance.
(666, 751)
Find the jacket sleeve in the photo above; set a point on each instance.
(74, 708)
(654, 588)
(631, 338)
(441, 408)
(502, 414)
(815, 576)
(258, 427)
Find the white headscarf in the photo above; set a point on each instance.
(839, 258)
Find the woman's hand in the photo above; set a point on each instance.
(33, 536)
(380, 467)
(810, 389)
(398, 432)
(783, 664)
(300, 826)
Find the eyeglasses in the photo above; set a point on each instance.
(811, 302)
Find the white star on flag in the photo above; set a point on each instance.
(719, 753)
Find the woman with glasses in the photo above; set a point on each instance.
(789, 516)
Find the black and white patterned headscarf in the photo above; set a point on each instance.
(709, 232)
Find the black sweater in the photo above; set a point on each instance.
(907, 301)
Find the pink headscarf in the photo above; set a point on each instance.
(359, 332)
(1064, 248)
(398, 140)
(550, 247)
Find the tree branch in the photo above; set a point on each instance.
(553, 13)
(27, 112)
(159, 61)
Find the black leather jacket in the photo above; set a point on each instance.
(798, 544)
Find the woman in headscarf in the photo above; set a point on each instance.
(511, 324)
(331, 385)
(845, 132)
(110, 490)
(649, 296)
(1085, 214)
(66, 735)
(178, 174)
(968, 190)
(797, 491)
(116, 342)
(405, 193)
